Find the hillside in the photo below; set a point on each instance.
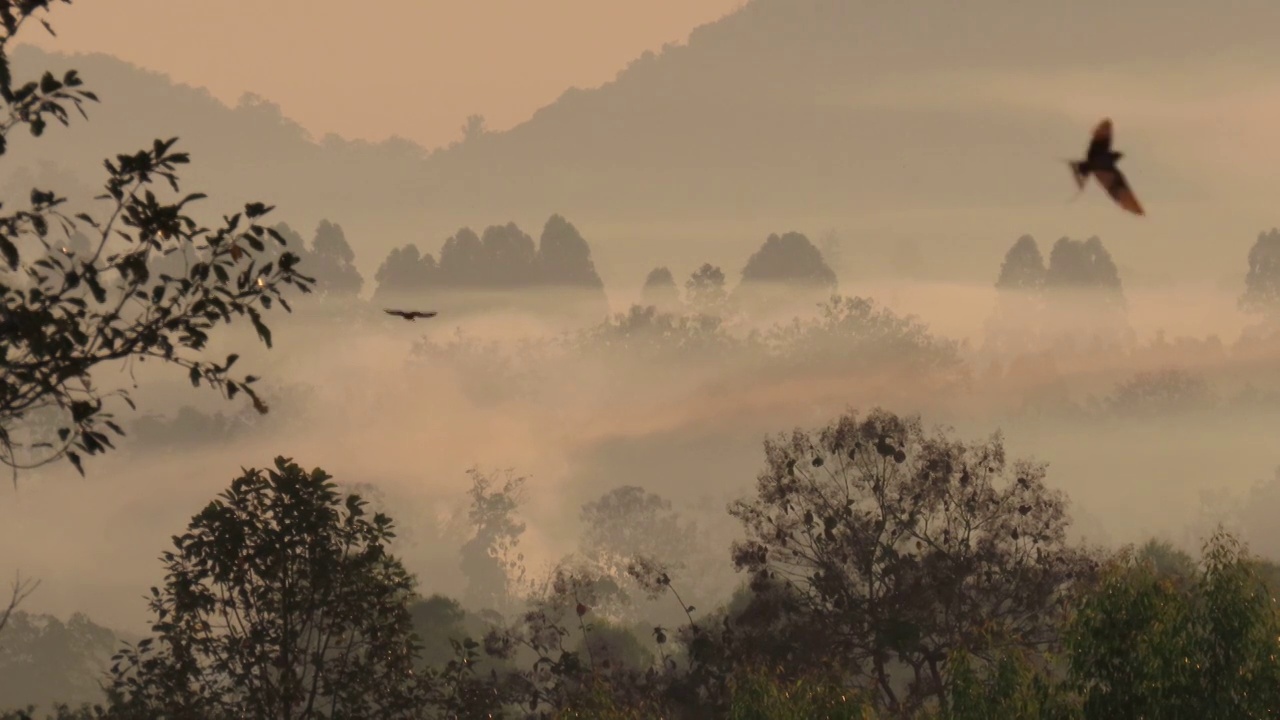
(787, 115)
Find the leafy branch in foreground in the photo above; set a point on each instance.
(64, 312)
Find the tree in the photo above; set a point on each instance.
(1084, 295)
(1014, 326)
(509, 259)
(405, 274)
(490, 560)
(1160, 393)
(1262, 282)
(66, 312)
(644, 335)
(474, 128)
(45, 660)
(462, 259)
(1144, 645)
(660, 291)
(332, 263)
(853, 334)
(565, 256)
(908, 546)
(1076, 264)
(787, 269)
(627, 522)
(705, 291)
(1023, 267)
(280, 600)
(565, 265)
(437, 620)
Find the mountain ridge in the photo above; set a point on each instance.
(781, 116)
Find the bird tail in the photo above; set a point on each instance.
(1078, 172)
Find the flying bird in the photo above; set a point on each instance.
(1100, 161)
(411, 315)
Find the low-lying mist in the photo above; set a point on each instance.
(1163, 432)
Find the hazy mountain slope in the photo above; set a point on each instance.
(943, 126)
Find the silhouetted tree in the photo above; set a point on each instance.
(44, 660)
(503, 258)
(1083, 294)
(474, 127)
(510, 259)
(63, 313)
(908, 546)
(612, 647)
(1076, 264)
(787, 270)
(627, 522)
(660, 291)
(280, 600)
(565, 256)
(565, 264)
(705, 291)
(644, 335)
(1023, 267)
(1160, 393)
(1262, 282)
(490, 561)
(405, 275)
(854, 334)
(332, 263)
(1015, 323)
(462, 259)
(437, 620)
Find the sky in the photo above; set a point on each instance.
(438, 61)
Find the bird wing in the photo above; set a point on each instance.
(399, 313)
(1100, 145)
(1118, 188)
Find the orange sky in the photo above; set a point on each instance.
(414, 68)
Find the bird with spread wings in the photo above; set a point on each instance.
(411, 315)
(1100, 162)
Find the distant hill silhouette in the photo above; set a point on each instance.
(775, 113)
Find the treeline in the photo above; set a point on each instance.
(893, 570)
(477, 272)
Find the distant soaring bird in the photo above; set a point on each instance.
(1100, 161)
(411, 315)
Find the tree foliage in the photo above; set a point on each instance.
(628, 522)
(1145, 645)
(787, 272)
(65, 312)
(1023, 267)
(1262, 281)
(331, 261)
(490, 559)
(854, 333)
(705, 291)
(500, 259)
(660, 290)
(280, 600)
(910, 545)
(43, 659)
